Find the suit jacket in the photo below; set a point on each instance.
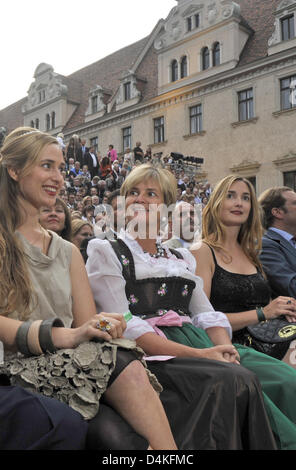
(278, 258)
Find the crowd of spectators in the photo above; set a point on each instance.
(90, 179)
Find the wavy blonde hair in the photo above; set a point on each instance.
(19, 152)
(213, 230)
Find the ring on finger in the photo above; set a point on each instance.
(289, 302)
(103, 324)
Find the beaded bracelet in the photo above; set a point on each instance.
(45, 334)
(260, 314)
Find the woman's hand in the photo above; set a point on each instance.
(281, 306)
(72, 337)
(224, 353)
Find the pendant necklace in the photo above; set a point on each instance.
(160, 251)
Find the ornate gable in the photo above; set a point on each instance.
(47, 86)
(280, 39)
(198, 40)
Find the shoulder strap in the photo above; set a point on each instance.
(213, 254)
(125, 257)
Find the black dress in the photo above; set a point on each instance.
(210, 405)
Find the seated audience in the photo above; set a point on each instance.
(57, 219)
(234, 282)
(184, 226)
(221, 402)
(81, 229)
(278, 254)
(47, 312)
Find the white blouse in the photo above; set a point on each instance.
(108, 285)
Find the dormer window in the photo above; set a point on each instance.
(174, 70)
(184, 67)
(216, 54)
(288, 28)
(193, 22)
(41, 96)
(127, 91)
(205, 57)
(47, 122)
(94, 104)
(53, 119)
(189, 23)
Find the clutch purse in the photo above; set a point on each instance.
(271, 337)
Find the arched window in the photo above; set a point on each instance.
(53, 120)
(47, 122)
(32, 124)
(205, 56)
(216, 54)
(174, 70)
(184, 67)
(37, 123)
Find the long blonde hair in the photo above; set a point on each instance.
(19, 152)
(213, 230)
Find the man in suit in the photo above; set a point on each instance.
(184, 226)
(90, 159)
(278, 255)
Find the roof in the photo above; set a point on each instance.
(106, 72)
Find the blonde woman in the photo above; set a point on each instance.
(46, 305)
(209, 400)
(227, 261)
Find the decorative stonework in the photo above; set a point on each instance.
(135, 94)
(47, 86)
(210, 14)
(100, 93)
(285, 8)
(286, 161)
(246, 167)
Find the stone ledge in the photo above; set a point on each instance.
(244, 123)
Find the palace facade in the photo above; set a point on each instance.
(216, 79)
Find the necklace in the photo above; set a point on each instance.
(160, 251)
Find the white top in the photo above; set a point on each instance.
(108, 285)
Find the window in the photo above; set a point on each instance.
(159, 130)
(127, 91)
(216, 54)
(192, 22)
(252, 180)
(174, 70)
(53, 115)
(94, 142)
(94, 104)
(245, 105)
(47, 122)
(195, 116)
(41, 96)
(184, 71)
(205, 57)
(290, 179)
(32, 124)
(287, 87)
(288, 29)
(37, 123)
(189, 23)
(196, 20)
(127, 137)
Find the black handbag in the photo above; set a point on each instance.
(271, 337)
